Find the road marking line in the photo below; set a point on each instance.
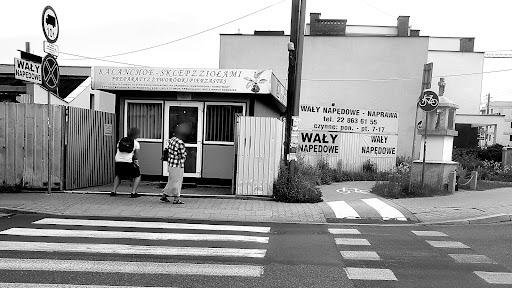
(130, 249)
(130, 267)
(429, 233)
(471, 258)
(352, 241)
(386, 211)
(447, 244)
(131, 235)
(338, 231)
(343, 210)
(360, 255)
(495, 277)
(157, 225)
(39, 285)
(370, 274)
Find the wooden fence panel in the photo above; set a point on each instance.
(89, 152)
(259, 147)
(24, 145)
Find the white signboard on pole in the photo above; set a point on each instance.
(182, 80)
(343, 119)
(27, 71)
(50, 48)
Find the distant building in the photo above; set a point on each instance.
(369, 67)
(74, 90)
(503, 108)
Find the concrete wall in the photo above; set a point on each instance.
(463, 90)
(444, 43)
(343, 58)
(41, 96)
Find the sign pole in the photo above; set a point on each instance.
(424, 150)
(49, 144)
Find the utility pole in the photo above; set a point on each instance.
(295, 49)
(487, 113)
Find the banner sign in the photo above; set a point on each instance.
(182, 80)
(348, 120)
(319, 143)
(27, 71)
(378, 145)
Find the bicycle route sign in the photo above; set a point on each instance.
(429, 101)
(50, 72)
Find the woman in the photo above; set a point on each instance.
(127, 162)
(176, 162)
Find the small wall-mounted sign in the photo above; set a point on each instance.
(107, 129)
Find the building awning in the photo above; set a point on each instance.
(241, 81)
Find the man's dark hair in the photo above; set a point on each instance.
(133, 133)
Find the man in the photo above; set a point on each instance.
(127, 162)
(176, 162)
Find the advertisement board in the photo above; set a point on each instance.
(350, 120)
(182, 80)
(378, 145)
(27, 71)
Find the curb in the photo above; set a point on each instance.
(183, 195)
(14, 211)
(490, 219)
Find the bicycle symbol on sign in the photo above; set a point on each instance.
(428, 99)
(352, 190)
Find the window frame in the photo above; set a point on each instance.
(206, 104)
(126, 102)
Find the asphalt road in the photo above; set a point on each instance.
(100, 252)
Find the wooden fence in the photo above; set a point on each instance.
(90, 148)
(24, 145)
(82, 150)
(258, 148)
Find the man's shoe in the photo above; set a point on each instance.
(113, 194)
(134, 195)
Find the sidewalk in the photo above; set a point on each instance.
(462, 205)
(75, 204)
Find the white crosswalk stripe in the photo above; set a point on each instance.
(131, 235)
(344, 209)
(131, 267)
(385, 210)
(155, 225)
(236, 241)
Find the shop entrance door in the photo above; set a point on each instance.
(190, 113)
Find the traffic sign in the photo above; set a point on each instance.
(429, 101)
(27, 70)
(51, 48)
(50, 24)
(50, 73)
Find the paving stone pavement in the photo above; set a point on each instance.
(460, 205)
(150, 207)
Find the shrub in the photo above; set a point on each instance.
(299, 188)
(369, 166)
(5, 188)
(398, 187)
(325, 173)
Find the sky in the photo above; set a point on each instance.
(100, 28)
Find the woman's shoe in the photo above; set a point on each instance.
(164, 199)
(177, 201)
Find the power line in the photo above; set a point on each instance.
(376, 8)
(182, 38)
(93, 58)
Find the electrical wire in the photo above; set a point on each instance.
(380, 10)
(179, 39)
(93, 58)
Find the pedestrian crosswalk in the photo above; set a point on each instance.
(181, 249)
(370, 208)
(377, 255)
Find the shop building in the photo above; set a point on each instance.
(156, 100)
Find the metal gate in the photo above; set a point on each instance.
(90, 148)
(258, 148)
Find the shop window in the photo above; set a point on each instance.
(147, 117)
(510, 137)
(220, 122)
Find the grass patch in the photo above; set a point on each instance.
(398, 187)
(483, 185)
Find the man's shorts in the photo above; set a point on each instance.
(127, 171)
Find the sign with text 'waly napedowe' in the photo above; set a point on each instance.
(350, 120)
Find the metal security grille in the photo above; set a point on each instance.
(220, 122)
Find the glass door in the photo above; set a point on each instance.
(190, 113)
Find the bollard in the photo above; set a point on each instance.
(473, 181)
(452, 181)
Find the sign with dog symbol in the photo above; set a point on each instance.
(50, 72)
(50, 24)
